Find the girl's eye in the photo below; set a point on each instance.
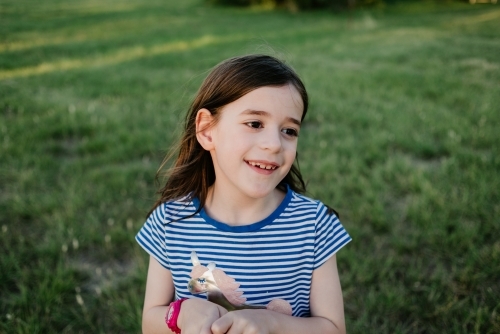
(201, 280)
(255, 124)
(290, 132)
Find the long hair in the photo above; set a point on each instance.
(193, 171)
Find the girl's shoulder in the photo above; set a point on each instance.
(173, 210)
(329, 233)
(305, 202)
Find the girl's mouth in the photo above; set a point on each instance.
(261, 167)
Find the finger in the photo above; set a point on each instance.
(205, 330)
(223, 324)
(200, 324)
(222, 311)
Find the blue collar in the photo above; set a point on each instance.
(250, 227)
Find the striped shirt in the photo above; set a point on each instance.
(273, 258)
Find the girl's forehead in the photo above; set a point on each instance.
(270, 99)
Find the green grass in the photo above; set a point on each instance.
(402, 139)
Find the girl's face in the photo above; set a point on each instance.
(254, 143)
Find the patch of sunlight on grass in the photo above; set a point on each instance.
(402, 37)
(122, 55)
(398, 36)
(479, 63)
(481, 18)
(101, 31)
(138, 52)
(87, 7)
(109, 30)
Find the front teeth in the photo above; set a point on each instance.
(262, 166)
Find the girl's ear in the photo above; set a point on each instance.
(204, 121)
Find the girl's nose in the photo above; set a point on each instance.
(271, 140)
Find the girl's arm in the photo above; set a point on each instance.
(159, 294)
(327, 311)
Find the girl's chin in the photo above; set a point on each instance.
(263, 193)
(251, 190)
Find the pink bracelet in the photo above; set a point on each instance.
(173, 314)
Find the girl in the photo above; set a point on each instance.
(234, 198)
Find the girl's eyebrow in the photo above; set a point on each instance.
(266, 114)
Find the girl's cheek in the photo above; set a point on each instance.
(292, 144)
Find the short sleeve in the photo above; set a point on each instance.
(151, 236)
(330, 235)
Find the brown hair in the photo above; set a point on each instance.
(193, 171)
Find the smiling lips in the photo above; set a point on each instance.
(263, 166)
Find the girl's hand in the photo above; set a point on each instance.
(244, 322)
(198, 315)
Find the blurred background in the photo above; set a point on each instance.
(401, 138)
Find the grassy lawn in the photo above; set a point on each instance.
(400, 139)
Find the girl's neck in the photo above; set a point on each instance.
(240, 210)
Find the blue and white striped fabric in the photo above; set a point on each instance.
(273, 258)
